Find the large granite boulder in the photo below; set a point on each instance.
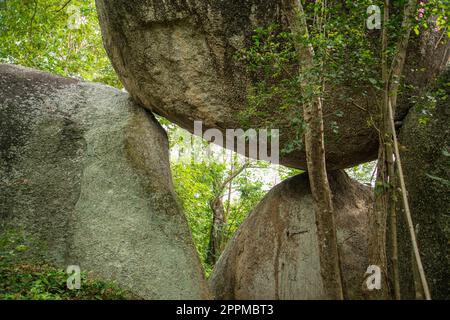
(275, 254)
(178, 58)
(85, 173)
(425, 136)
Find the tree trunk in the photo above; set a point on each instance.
(321, 192)
(216, 234)
(216, 237)
(317, 171)
(377, 239)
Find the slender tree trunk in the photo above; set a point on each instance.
(216, 234)
(317, 171)
(402, 48)
(384, 189)
(320, 189)
(377, 222)
(389, 158)
(394, 247)
(230, 187)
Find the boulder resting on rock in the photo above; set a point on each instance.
(178, 58)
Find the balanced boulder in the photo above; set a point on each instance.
(178, 58)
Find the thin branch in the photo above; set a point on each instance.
(373, 175)
(389, 157)
(228, 180)
(444, 32)
(30, 32)
(358, 106)
(402, 46)
(62, 8)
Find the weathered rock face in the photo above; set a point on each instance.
(178, 58)
(274, 254)
(428, 56)
(427, 144)
(85, 171)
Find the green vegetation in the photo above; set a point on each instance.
(345, 58)
(197, 184)
(43, 282)
(64, 40)
(25, 278)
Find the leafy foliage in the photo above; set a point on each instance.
(197, 184)
(345, 57)
(50, 37)
(25, 279)
(43, 282)
(364, 173)
(433, 8)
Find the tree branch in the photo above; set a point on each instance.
(65, 5)
(402, 45)
(30, 32)
(228, 180)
